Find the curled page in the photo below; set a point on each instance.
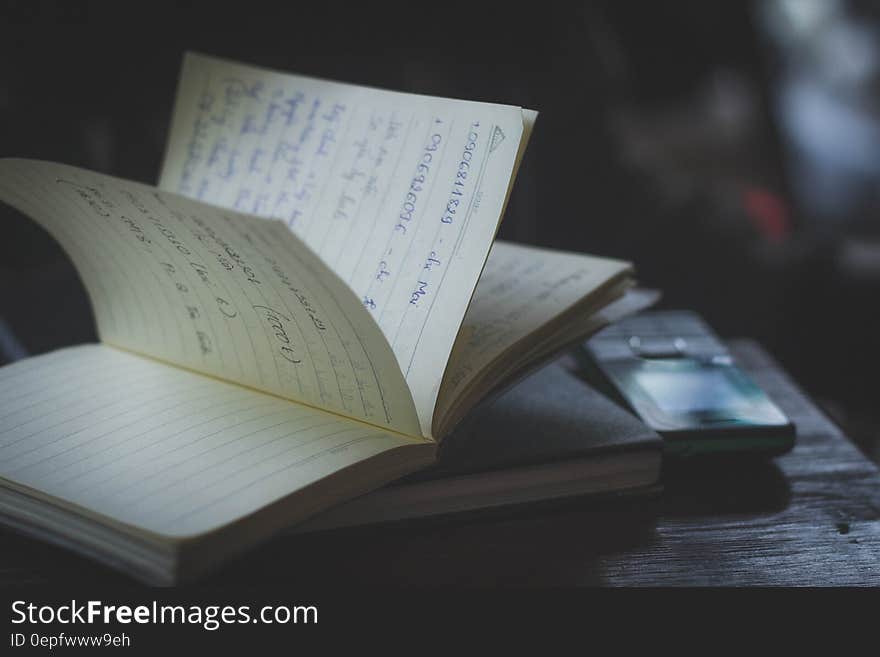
(214, 291)
(400, 194)
(528, 300)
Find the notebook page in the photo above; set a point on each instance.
(400, 194)
(521, 289)
(236, 297)
(160, 448)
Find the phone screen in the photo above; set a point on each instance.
(688, 394)
(679, 378)
(689, 391)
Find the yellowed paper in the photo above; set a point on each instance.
(400, 194)
(521, 290)
(221, 293)
(123, 438)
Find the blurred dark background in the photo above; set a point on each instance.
(731, 150)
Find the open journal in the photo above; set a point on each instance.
(300, 311)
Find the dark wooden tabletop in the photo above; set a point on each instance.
(810, 517)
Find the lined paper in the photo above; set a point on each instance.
(400, 194)
(160, 448)
(522, 288)
(215, 291)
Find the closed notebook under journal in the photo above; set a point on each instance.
(549, 437)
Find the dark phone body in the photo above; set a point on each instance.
(673, 372)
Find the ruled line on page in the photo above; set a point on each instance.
(185, 453)
(216, 292)
(400, 194)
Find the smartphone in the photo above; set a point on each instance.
(672, 370)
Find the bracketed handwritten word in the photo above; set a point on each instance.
(275, 321)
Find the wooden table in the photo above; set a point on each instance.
(811, 517)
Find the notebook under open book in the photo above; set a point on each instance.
(549, 438)
(254, 372)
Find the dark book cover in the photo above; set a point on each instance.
(550, 437)
(553, 415)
